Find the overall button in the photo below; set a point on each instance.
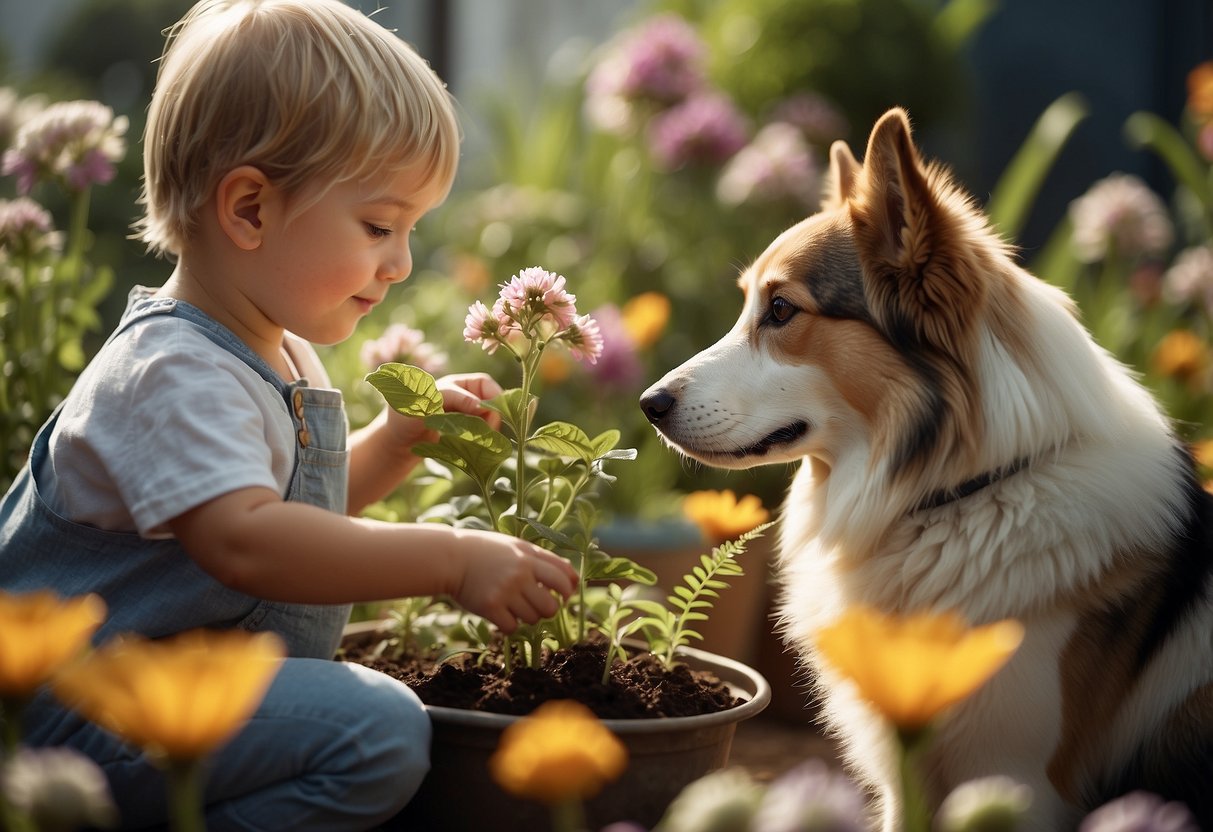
(298, 401)
(304, 437)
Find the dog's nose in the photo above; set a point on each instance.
(657, 404)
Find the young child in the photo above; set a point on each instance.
(198, 475)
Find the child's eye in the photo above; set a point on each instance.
(377, 231)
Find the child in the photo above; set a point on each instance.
(198, 474)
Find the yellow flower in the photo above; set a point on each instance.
(911, 668)
(645, 317)
(1202, 452)
(1181, 354)
(1200, 91)
(39, 632)
(721, 516)
(179, 697)
(561, 752)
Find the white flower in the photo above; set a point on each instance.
(1190, 278)
(989, 804)
(722, 801)
(59, 788)
(1120, 215)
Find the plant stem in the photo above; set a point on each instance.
(185, 796)
(916, 816)
(11, 709)
(568, 816)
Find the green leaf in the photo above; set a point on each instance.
(512, 407)
(1148, 130)
(468, 443)
(1021, 181)
(408, 390)
(562, 439)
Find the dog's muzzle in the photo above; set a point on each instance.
(657, 403)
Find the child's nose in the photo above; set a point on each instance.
(398, 265)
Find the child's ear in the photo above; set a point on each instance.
(241, 202)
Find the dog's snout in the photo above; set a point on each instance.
(657, 404)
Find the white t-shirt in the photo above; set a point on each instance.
(163, 420)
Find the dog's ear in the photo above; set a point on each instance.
(840, 178)
(916, 285)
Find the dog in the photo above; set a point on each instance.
(965, 445)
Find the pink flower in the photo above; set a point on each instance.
(536, 294)
(617, 365)
(1120, 215)
(584, 339)
(706, 129)
(26, 228)
(484, 326)
(406, 345)
(813, 116)
(777, 165)
(74, 142)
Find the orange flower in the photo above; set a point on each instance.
(1202, 452)
(39, 633)
(1181, 354)
(554, 367)
(561, 752)
(912, 668)
(1200, 91)
(721, 516)
(645, 317)
(177, 698)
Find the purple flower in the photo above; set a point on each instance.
(26, 228)
(1120, 215)
(813, 116)
(1140, 812)
(810, 798)
(659, 62)
(777, 165)
(584, 339)
(617, 365)
(536, 294)
(404, 344)
(706, 129)
(74, 142)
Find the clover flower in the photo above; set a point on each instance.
(404, 344)
(659, 62)
(558, 753)
(39, 633)
(911, 668)
(177, 698)
(989, 804)
(721, 516)
(26, 229)
(617, 364)
(776, 165)
(59, 789)
(1140, 812)
(720, 801)
(815, 117)
(1120, 215)
(1190, 278)
(584, 339)
(810, 798)
(705, 129)
(76, 143)
(645, 317)
(15, 111)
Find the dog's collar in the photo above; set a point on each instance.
(948, 495)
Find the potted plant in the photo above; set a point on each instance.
(539, 482)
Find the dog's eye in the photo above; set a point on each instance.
(781, 310)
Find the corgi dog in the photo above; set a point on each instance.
(965, 445)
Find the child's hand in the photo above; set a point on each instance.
(461, 393)
(506, 580)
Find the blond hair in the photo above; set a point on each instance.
(311, 92)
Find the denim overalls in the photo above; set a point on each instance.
(322, 721)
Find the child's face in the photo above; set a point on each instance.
(331, 264)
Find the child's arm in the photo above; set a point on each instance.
(381, 453)
(253, 541)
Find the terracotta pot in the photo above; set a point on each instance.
(664, 755)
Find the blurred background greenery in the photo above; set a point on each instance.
(649, 149)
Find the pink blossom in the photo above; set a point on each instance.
(813, 116)
(1120, 215)
(706, 129)
(777, 165)
(484, 326)
(617, 364)
(406, 345)
(536, 294)
(584, 339)
(659, 62)
(74, 142)
(26, 228)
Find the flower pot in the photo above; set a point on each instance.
(664, 755)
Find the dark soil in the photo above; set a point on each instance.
(640, 687)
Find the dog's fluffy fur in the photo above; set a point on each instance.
(967, 446)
